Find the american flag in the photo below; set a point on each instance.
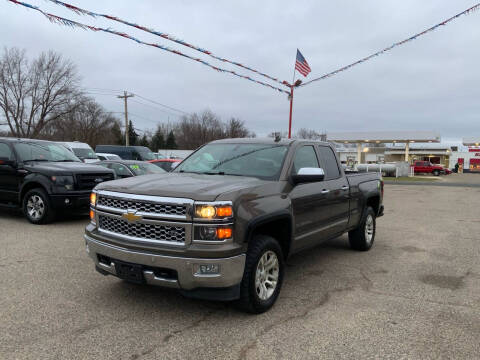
(301, 64)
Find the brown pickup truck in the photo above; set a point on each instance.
(222, 224)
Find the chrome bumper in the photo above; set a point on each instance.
(230, 274)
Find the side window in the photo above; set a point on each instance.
(329, 162)
(305, 157)
(6, 152)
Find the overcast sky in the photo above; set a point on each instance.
(432, 83)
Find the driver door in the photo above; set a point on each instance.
(308, 202)
(9, 179)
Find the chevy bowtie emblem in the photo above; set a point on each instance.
(131, 216)
(98, 180)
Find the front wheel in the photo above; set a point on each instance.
(436, 173)
(263, 275)
(37, 207)
(362, 237)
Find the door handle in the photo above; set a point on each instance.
(345, 187)
(325, 191)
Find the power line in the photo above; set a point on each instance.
(166, 106)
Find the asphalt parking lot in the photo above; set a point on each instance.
(416, 294)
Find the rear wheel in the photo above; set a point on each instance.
(263, 275)
(37, 207)
(362, 238)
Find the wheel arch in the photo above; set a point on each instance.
(34, 184)
(278, 225)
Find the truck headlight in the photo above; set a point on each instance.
(93, 199)
(220, 210)
(63, 181)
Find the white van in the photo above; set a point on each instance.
(81, 150)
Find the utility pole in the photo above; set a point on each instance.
(125, 97)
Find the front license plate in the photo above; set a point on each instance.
(129, 272)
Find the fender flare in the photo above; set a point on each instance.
(265, 219)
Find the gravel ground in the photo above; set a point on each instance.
(416, 294)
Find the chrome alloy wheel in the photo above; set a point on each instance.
(266, 276)
(35, 207)
(369, 229)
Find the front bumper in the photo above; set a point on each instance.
(187, 276)
(71, 200)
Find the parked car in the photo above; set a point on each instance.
(141, 153)
(105, 156)
(43, 177)
(159, 156)
(129, 168)
(166, 164)
(81, 150)
(426, 167)
(222, 224)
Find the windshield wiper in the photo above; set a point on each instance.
(66, 161)
(36, 160)
(213, 173)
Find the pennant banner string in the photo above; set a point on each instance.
(81, 11)
(466, 12)
(67, 22)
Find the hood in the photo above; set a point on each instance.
(198, 187)
(65, 168)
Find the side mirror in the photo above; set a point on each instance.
(7, 161)
(308, 175)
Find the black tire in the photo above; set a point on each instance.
(249, 300)
(436, 173)
(358, 238)
(47, 214)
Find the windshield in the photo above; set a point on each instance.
(146, 155)
(145, 168)
(43, 151)
(85, 153)
(257, 160)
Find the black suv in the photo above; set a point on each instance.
(42, 177)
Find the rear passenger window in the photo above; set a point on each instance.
(329, 161)
(5, 151)
(305, 158)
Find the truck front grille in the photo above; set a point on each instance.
(89, 181)
(142, 206)
(142, 231)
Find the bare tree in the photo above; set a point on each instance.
(35, 94)
(195, 129)
(310, 135)
(86, 122)
(235, 128)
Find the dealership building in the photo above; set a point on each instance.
(399, 146)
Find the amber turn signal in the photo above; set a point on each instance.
(224, 211)
(224, 233)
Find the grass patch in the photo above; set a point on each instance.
(413, 179)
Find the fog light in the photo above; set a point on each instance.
(208, 233)
(67, 201)
(208, 269)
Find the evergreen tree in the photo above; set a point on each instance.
(171, 143)
(144, 141)
(158, 140)
(117, 135)
(132, 135)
